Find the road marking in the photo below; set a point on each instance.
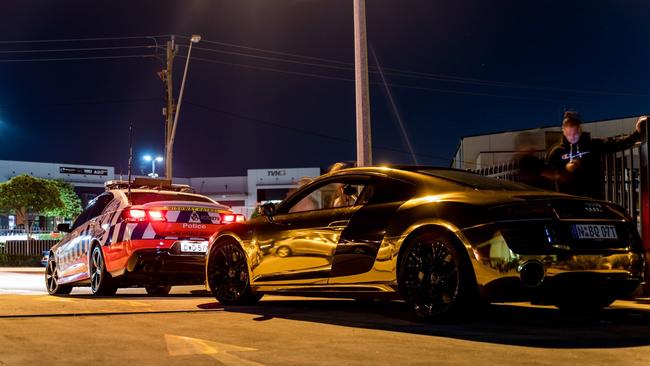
(21, 292)
(57, 298)
(183, 346)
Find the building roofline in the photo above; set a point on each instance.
(460, 141)
(548, 126)
(56, 163)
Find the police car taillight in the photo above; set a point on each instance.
(230, 218)
(138, 215)
(134, 215)
(157, 216)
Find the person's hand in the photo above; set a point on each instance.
(572, 165)
(641, 120)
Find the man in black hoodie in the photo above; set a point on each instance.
(577, 159)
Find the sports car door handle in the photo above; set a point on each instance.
(338, 225)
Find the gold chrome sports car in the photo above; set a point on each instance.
(440, 239)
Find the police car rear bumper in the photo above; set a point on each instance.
(162, 267)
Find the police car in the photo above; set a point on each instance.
(150, 234)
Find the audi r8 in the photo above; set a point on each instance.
(442, 240)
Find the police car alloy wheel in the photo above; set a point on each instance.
(100, 280)
(51, 278)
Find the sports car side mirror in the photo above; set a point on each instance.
(268, 210)
(64, 228)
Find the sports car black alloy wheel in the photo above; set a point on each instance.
(228, 275)
(431, 278)
(100, 281)
(51, 278)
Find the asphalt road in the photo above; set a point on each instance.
(190, 328)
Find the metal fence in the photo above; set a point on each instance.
(13, 241)
(24, 248)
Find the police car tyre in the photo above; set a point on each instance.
(435, 278)
(283, 251)
(227, 274)
(158, 290)
(101, 282)
(51, 278)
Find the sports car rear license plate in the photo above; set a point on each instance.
(194, 247)
(581, 231)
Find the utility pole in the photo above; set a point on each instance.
(172, 110)
(169, 110)
(362, 92)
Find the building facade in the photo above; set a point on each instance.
(483, 151)
(242, 193)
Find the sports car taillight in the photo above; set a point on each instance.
(230, 218)
(139, 215)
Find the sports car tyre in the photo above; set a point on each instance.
(51, 278)
(100, 280)
(228, 275)
(158, 290)
(435, 278)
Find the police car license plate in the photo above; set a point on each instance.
(582, 231)
(194, 247)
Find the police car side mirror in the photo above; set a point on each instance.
(64, 228)
(268, 210)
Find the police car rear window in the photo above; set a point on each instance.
(140, 198)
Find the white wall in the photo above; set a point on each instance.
(278, 178)
(477, 151)
(94, 176)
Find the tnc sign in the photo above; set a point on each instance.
(276, 173)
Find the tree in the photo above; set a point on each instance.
(71, 202)
(24, 195)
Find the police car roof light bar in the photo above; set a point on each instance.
(148, 183)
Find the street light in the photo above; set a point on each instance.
(170, 146)
(153, 164)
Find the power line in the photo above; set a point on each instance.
(306, 132)
(274, 52)
(320, 76)
(83, 39)
(77, 58)
(271, 58)
(81, 102)
(324, 63)
(78, 49)
(409, 73)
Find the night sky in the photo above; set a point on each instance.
(271, 83)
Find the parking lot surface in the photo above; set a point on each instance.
(189, 327)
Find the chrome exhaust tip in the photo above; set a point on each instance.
(532, 273)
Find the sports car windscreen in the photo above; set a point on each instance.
(139, 198)
(476, 181)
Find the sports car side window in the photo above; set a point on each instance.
(328, 196)
(385, 191)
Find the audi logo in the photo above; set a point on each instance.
(593, 207)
